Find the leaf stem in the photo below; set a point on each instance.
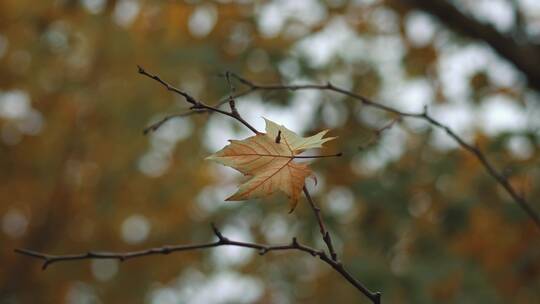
(320, 156)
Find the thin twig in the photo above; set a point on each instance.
(155, 126)
(318, 156)
(333, 261)
(232, 102)
(488, 166)
(196, 105)
(322, 228)
(49, 259)
(377, 133)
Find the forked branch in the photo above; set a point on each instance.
(424, 115)
(294, 245)
(197, 107)
(49, 259)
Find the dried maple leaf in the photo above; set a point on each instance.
(268, 161)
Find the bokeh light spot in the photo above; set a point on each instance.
(14, 223)
(135, 229)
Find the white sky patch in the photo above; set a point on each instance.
(93, 6)
(338, 40)
(296, 117)
(501, 114)
(496, 114)
(411, 96)
(220, 288)
(520, 147)
(457, 64)
(530, 6)
(32, 123)
(532, 107)
(356, 50)
(125, 12)
(289, 68)
(226, 175)
(386, 20)
(295, 31)
(81, 293)
(228, 287)
(460, 117)
(393, 142)
(157, 159)
(340, 202)
(531, 10)
(364, 2)
(14, 104)
(334, 114)
(211, 198)
(104, 270)
(272, 16)
(386, 53)
(192, 80)
(227, 256)
(320, 48)
(342, 78)
(202, 20)
(14, 223)
(502, 73)
(164, 296)
(153, 164)
(497, 12)
(387, 49)
(276, 228)
(391, 146)
(219, 129)
(419, 28)
(135, 229)
(270, 20)
(240, 37)
(172, 131)
(374, 118)
(316, 188)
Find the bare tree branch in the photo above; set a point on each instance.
(488, 166)
(155, 126)
(124, 256)
(325, 234)
(523, 54)
(196, 105)
(49, 259)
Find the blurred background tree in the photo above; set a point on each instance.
(413, 215)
